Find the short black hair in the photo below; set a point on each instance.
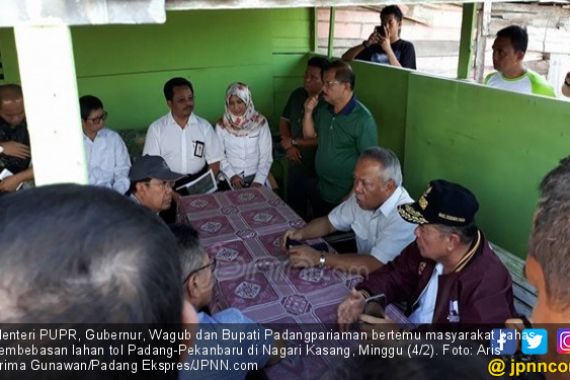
(85, 254)
(343, 72)
(175, 82)
(319, 62)
(89, 103)
(517, 35)
(392, 10)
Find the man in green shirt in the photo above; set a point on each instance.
(344, 128)
(301, 177)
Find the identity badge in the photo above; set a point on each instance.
(199, 149)
(503, 341)
(534, 341)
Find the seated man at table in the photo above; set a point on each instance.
(449, 274)
(371, 211)
(198, 281)
(151, 183)
(509, 50)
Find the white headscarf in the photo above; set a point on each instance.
(244, 124)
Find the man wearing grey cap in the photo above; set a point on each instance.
(449, 274)
(151, 183)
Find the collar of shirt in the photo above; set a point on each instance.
(347, 109)
(191, 120)
(390, 203)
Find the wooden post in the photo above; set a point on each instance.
(466, 42)
(483, 21)
(47, 73)
(331, 32)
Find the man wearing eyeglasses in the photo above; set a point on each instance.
(14, 140)
(151, 183)
(344, 128)
(107, 156)
(198, 285)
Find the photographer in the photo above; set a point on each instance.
(384, 44)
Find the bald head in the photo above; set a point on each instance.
(12, 104)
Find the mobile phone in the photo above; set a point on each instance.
(380, 30)
(292, 243)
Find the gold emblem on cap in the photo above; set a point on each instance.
(423, 202)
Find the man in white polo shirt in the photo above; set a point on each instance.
(371, 211)
(187, 142)
(509, 50)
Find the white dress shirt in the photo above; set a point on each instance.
(424, 312)
(381, 233)
(108, 160)
(185, 150)
(249, 154)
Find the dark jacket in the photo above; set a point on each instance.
(478, 291)
(17, 134)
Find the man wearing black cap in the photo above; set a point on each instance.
(449, 274)
(151, 183)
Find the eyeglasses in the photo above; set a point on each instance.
(331, 83)
(164, 185)
(212, 264)
(97, 120)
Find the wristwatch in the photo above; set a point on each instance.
(294, 142)
(322, 260)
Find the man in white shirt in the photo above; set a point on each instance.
(371, 211)
(186, 141)
(108, 160)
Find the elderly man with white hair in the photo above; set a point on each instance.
(370, 211)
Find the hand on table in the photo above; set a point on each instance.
(236, 181)
(350, 309)
(291, 234)
(303, 256)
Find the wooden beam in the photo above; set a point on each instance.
(331, 32)
(483, 22)
(466, 41)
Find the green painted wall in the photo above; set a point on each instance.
(126, 66)
(384, 90)
(498, 144)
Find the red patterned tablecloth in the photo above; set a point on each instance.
(242, 229)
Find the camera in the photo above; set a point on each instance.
(380, 30)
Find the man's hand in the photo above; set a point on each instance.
(310, 104)
(291, 234)
(10, 184)
(286, 142)
(294, 155)
(373, 39)
(385, 41)
(303, 256)
(236, 181)
(15, 149)
(350, 309)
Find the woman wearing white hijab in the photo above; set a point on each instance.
(246, 138)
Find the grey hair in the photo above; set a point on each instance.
(192, 254)
(388, 159)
